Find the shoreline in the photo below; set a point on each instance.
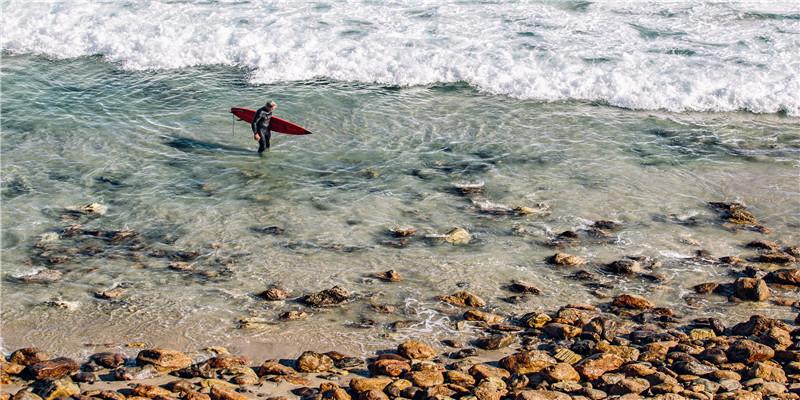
(628, 348)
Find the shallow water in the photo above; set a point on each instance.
(158, 149)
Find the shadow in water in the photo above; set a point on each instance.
(198, 146)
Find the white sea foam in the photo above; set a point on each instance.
(678, 56)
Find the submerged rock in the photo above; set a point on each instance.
(566, 259)
(45, 276)
(751, 289)
(328, 298)
(458, 236)
(463, 299)
(389, 276)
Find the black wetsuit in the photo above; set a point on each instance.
(260, 126)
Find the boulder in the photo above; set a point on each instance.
(633, 302)
(425, 378)
(751, 289)
(527, 362)
(365, 384)
(108, 359)
(229, 361)
(275, 368)
(560, 372)
(413, 350)
(164, 360)
(389, 367)
(463, 299)
(483, 371)
(328, 298)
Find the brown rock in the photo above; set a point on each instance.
(223, 393)
(776, 338)
(389, 367)
(366, 384)
(527, 362)
(524, 287)
(310, 361)
(149, 391)
(328, 298)
(739, 395)
(293, 315)
(135, 373)
(633, 302)
(459, 378)
(767, 372)
(560, 331)
(425, 378)
(542, 395)
(757, 325)
(706, 287)
(373, 394)
(566, 259)
(275, 294)
(603, 327)
(483, 371)
(164, 360)
(50, 389)
(748, 352)
(495, 342)
(275, 368)
(28, 356)
(751, 289)
(395, 388)
(787, 276)
(24, 394)
(228, 361)
(535, 320)
(776, 258)
(475, 315)
(45, 276)
(560, 372)
(627, 353)
(458, 236)
(595, 366)
(414, 350)
(630, 385)
(11, 368)
(54, 368)
(195, 396)
(463, 299)
(389, 276)
(108, 359)
(625, 267)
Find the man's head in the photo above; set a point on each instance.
(271, 105)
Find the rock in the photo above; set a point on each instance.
(527, 362)
(366, 384)
(757, 325)
(28, 356)
(135, 373)
(560, 331)
(633, 302)
(495, 342)
(567, 356)
(389, 276)
(767, 372)
(560, 372)
(751, 289)
(693, 368)
(223, 393)
(149, 391)
(275, 294)
(739, 395)
(776, 258)
(521, 286)
(630, 385)
(595, 366)
(463, 299)
(748, 352)
(709, 287)
(413, 350)
(771, 389)
(229, 361)
(786, 276)
(54, 368)
(776, 338)
(458, 236)
(459, 378)
(328, 298)
(625, 267)
(566, 259)
(541, 395)
(535, 320)
(45, 276)
(164, 360)
(372, 395)
(482, 371)
(310, 361)
(389, 367)
(293, 315)
(108, 359)
(425, 378)
(627, 353)
(475, 315)
(50, 389)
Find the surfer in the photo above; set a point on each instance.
(260, 125)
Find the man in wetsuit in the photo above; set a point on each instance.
(260, 125)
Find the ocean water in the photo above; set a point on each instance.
(636, 112)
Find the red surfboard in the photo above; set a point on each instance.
(275, 124)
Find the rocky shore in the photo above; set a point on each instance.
(625, 349)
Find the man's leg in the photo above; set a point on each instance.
(263, 142)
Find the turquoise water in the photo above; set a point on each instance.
(161, 151)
